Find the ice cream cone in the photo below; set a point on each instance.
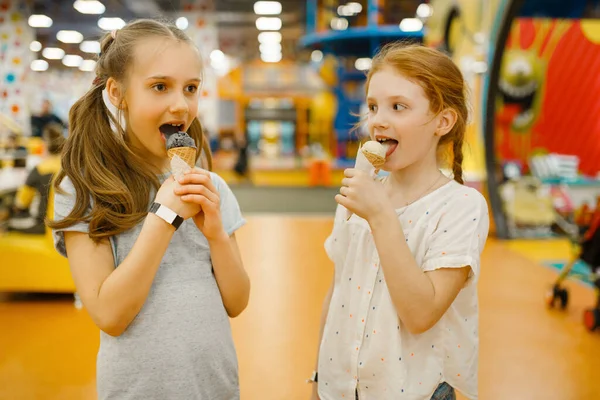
(187, 154)
(374, 159)
(369, 161)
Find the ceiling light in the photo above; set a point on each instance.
(35, 46)
(90, 46)
(424, 11)
(271, 58)
(110, 24)
(53, 53)
(269, 37)
(269, 48)
(87, 65)
(268, 24)
(89, 7)
(39, 65)
(363, 64)
(71, 60)
(69, 36)
(182, 23)
(339, 24)
(411, 25)
(267, 8)
(354, 8)
(40, 21)
(316, 56)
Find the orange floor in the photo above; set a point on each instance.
(47, 347)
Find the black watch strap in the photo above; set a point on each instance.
(166, 214)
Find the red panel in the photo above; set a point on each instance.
(569, 122)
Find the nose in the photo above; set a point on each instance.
(378, 121)
(179, 104)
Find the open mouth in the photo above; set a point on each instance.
(522, 96)
(167, 130)
(389, 144)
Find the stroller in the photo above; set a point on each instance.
(586, 237)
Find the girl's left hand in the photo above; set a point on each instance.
(362, 195)
(196, 187)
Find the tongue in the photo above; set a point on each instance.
(390, 146)
(168, 129)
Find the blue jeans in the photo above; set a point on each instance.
(443, 392)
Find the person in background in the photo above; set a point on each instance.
(39, 122)
(38, 182)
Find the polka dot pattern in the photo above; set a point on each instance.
(448, 230)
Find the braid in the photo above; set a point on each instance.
(458, 159)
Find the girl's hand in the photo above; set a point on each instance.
(167, 197)
(196, 188)
(362, 195)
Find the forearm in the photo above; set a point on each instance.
(232, 279)
(124, 292)
(411, 291)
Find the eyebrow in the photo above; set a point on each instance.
(391, 98)
(168, 78)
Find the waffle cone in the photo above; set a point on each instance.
(187, 154)
(375, 160)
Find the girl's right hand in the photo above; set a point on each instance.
(167, 197)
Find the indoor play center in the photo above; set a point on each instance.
(282, 102)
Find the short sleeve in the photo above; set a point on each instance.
(230, 208)
(334, 241)
(460, 234)
(63, 204)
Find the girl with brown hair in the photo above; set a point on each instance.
(154, 259)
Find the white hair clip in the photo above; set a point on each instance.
(118, 116)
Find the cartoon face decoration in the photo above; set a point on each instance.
(521, 80)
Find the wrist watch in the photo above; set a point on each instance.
(166, 214)
(314, 378)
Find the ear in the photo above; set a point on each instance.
(115, 93)
(446, 121)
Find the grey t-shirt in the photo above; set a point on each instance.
(179, 346)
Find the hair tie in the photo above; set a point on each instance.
(117, 115)
(97, 80)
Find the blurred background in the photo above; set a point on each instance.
(283, 83)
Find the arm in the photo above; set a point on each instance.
(113, 297)
(232, 279)
(420, 298)
(197, 187)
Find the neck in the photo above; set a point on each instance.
(415, 181)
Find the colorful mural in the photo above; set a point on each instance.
(15, 58)
(548, 89)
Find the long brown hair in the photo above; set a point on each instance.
(442, 82)
(113, 182)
